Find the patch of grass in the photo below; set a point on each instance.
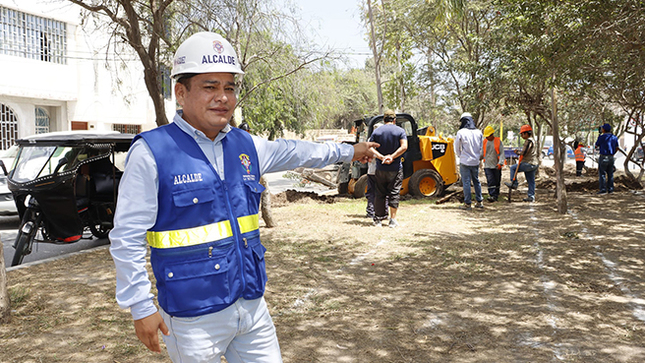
(128, 350)
(333, 305)
(18, 295)
(325, 258)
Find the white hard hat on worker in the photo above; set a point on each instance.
(205, 52)
(205, 66)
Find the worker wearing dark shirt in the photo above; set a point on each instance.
(389, 169)
(607, 145)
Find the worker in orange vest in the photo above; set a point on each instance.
(580, 157)
(493, 155)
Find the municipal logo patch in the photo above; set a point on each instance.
(218, 46)
(246, 162)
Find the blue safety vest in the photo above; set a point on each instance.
(205, 244)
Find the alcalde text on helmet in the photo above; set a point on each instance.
(218, 59)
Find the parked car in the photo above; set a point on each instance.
(570, 153)
(511, 155)
(7, 204)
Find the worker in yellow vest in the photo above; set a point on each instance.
(493, 155)
(580, 157)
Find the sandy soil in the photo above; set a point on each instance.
(514, 282)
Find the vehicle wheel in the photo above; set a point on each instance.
(342, 188)
(24, 241)
(99, 230)
(360, 187)
(426, 183)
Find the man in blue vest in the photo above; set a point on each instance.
(191, 192)
(607, 145)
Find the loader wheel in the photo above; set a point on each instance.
(360, 187)
(342, 188)
(426, 183)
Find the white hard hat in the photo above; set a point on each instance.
(205, 52)
(466, 114)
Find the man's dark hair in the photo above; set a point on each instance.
(185, 79)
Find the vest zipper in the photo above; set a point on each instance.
(236, 233)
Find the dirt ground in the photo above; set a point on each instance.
(514, 282)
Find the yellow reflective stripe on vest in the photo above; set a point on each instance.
(249, 223)
(202, 234)
(190, 236)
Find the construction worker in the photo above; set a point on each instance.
(580, 157)
(389, 168)
(494, 159)
(528, 163)
(468, 146)
(191, 192)
(607, 145)
(370, 191)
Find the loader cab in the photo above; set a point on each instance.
(407, 123)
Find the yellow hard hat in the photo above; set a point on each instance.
(489, 130)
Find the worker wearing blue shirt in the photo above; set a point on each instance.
(607, 145)
(191, 192)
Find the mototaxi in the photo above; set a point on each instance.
(65, 186)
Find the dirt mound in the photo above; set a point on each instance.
(294, 196)
(586, 183)
(569, 170)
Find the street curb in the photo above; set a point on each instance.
(50, 259)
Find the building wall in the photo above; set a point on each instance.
(95, 85)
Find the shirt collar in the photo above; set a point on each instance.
(190, 130)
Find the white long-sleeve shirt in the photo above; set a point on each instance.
(468, 146)
(137, 201)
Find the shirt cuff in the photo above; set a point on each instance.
(346, 152)
(142, 309)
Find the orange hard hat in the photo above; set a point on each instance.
(525, 128)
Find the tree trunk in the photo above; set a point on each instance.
(377, 58)
(150, 77)
(5, 303)
(560, 187)
(401, 79)
(265, 205)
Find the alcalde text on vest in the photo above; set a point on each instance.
(188, 178)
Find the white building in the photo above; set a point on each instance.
(56, 75)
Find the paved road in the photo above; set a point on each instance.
(278, 183)
(9, 230)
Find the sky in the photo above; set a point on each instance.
(336, 24)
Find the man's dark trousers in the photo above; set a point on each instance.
(493, 179)
(388, 186)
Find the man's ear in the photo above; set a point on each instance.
(180, 93)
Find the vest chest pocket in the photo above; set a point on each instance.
(253, 191)
(186, 198)
(196, 285)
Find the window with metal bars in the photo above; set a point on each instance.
(42, 120)
(34, 37)
(126, 129)
(8, 127)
